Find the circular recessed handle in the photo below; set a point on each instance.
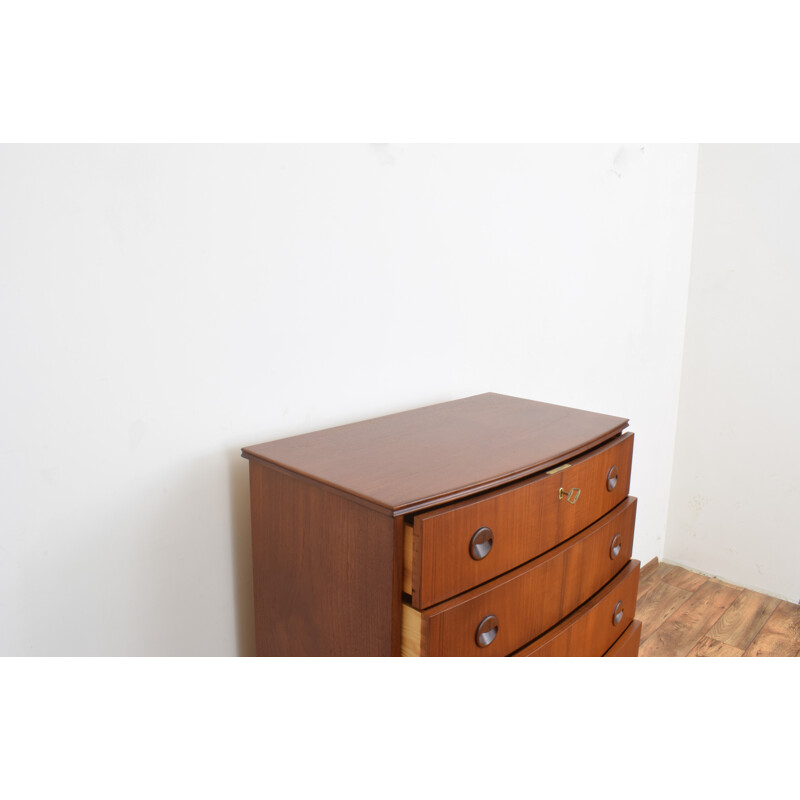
(611, 478)
(616, 546)
(619, 612)
(481, 543)
(487, 631)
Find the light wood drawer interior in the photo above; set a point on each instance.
(513, 609)
(524, 520)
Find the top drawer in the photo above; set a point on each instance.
(464, 544)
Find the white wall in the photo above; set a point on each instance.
(735, 493)
(160, 307)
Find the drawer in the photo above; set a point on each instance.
(628, 643)
(510, 611)
(455, 548)
(593, 627)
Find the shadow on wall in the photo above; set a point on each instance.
(241, 544)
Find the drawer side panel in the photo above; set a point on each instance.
(326, 572)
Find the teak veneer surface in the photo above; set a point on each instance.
(532, 598)
(418, 459)
(591, 629)
(326, 573)
(627, 646)
(527, 519)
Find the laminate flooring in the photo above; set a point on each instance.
(684, 613)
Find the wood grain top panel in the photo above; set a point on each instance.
(418, 459)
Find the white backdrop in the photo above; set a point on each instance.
(162, 306)
(733, 511)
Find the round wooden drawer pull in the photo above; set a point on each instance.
(616, 546)
(481, 543)
(619, 613)
(611, 478)
(487, 631)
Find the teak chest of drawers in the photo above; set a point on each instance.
(488, 526)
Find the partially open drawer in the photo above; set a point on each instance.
(453, 549)
(503, 615)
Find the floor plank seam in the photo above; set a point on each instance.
(699, 615)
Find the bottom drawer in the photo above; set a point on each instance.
(595, 626)
(628, 643)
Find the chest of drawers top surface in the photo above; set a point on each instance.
(417, 459)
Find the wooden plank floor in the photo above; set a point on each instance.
(684, 613)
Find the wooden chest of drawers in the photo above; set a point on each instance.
(487, 526)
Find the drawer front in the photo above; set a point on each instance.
(593, 627)
(501, 617)
(468, 543)
(628, 643)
